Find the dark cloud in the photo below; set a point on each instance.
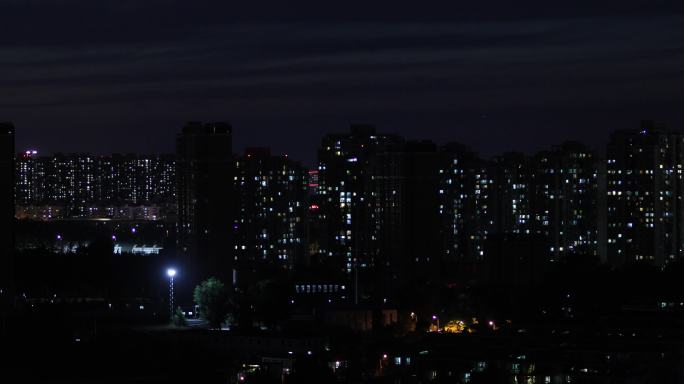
(124, 75)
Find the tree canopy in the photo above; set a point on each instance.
(214, 301)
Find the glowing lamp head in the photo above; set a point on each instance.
(171, 272)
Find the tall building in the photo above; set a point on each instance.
(378, 198)
(644, 195)
(405, 231)
(206, 201)
(515, 179)
(30, 178)
(270, 225)
(468, 203)
(568, 201)
(58, 185)
(81, 182)
(344, 191)
(316, 226)
(385, 247)
(6, 211)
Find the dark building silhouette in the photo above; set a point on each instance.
(644, 195)
(515, 260)
(206, 201)
(270, 228)
(405, 231)
(7, 221)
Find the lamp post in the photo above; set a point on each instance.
(171, 273)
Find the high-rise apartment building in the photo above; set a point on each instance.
(568, 200)
(6, 211)
(515, 180)
(405, 225)
(82, 185)
(468, 203)
(554, 197)
(344, 189)
(644, 195)
(206, 200)
(29, 178)
(270, 228)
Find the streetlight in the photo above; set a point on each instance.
(435, 318)
(171, 272)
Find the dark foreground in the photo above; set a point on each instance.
(638, 346)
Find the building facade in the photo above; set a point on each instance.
(468, 207)
(644, 196)
(344, 192)
(88, 186)
(569, 201)
(205, 199)
(270, 227)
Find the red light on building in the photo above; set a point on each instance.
(313, 178)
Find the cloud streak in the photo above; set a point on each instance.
(312, 71)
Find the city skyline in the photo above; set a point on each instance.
(566, 195)
(310, 160)
(342, 192)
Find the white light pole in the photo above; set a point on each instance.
(171, 273)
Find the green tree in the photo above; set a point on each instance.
(214, 301)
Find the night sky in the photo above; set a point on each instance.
(124, 75)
